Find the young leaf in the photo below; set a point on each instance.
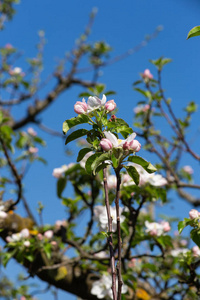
(89, 162)
(75, 135)
(142, 162)
(102, 158)
(133, 173)
(61, 184)
(80, 119)
(195, 236)
(82, 153)
(195, 31)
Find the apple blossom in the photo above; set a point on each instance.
(188, 170)
(147, 74)
(3, 214)
(80, 107)
(157, 229)
(127, 144)
(177, 252)
(153, 228)
(112, 182)
(40, 236)
(102, 287)
(8, 46)
(105, 144)
(141, 108)
(166, 226)
(94, 102)
(133, 145)
(196, 251)
(16, 71)
(100, 215)
(31, 131)
(27, 244)
(33, 150)
(58, 172)
(15, 237)
(145, 177)
(48, 234)
(110, 105)
(193, 213)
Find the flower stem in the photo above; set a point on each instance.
(109, 239)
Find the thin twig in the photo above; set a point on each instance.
(109, 239)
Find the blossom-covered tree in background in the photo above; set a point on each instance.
(124, 251)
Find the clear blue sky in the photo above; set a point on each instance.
(122, 24)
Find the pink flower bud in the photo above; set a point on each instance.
(133, 145)
(166, 226)
(110, 105)
(196, 251)
(33, 150)
(193, 213)
(48, 234)
(40, 237)
(80, 107)
(147, 74)
(31, 131)
(105, 144)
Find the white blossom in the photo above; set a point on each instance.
(100, 215)
(58, 172)
(145, 177)
(15, 237)
(94, 103)
(3, 214)
(177, 252)
(102, 287)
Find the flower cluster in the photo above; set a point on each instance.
(94, 103)
(157, 229)
(15, 237)
(111, 141)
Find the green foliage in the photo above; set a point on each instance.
(195, 31)
(143, 163)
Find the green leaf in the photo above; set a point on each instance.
(195, 31)
(102, 158)
(100, 167)
(80, 119)
(147, 94)
(82, 153)
(89, 162)
(61, 184)
(184, 223)
(133, 173)
(142, 162)
(195, 236)
(7, 256)
(125, 228)
(75, 135)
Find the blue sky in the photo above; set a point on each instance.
(122, 24)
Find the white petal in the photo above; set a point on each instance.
(111, 137)
(94, 101)
(103, 101)
(131, 137)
